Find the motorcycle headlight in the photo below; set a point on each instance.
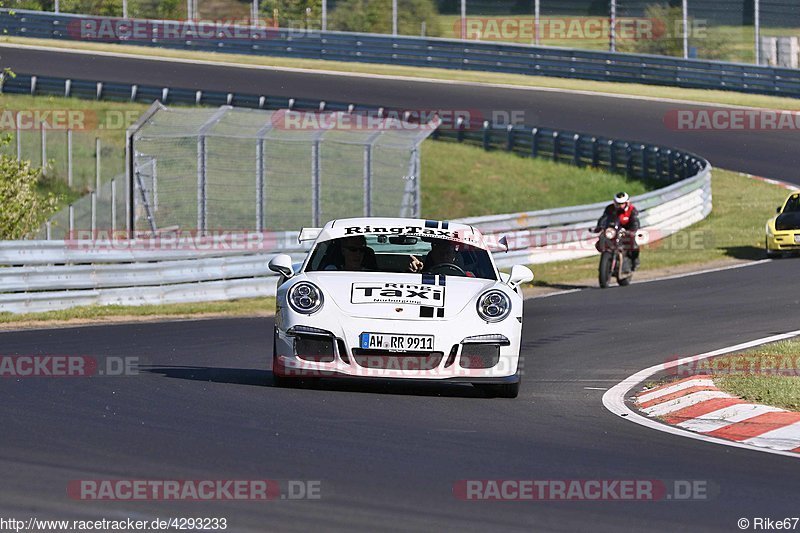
(305, 297)
(494, 306)
(611, 233)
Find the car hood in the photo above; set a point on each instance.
(787, 221)
(399, 296)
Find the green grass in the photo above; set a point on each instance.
(109, 115)
(628, 89)
(737, 42)
(460, 181)
(773, 377)
(245, 307)
(733, 230)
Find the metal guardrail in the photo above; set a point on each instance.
(411, 51)
(46, 275)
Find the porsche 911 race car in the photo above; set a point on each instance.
(783, 230)
(394, 298)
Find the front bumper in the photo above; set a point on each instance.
(783, 241)
(336, 351)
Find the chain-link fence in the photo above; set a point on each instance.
(237, 169)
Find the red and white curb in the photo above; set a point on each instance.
(698, 405)
(696, 409)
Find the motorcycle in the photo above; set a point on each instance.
(613, 245)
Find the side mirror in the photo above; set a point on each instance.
(779, 209)
(519, 274)
(503, 242)
(282, 264)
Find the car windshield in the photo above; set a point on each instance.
(401, 254)
(792, 205)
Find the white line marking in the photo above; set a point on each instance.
(674, 388)
(726, 416)
(596, 388)
(389, 77)
(614, 399)
(785, 438)
(685, 401)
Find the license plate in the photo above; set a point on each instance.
(395, 342)
(797, 238)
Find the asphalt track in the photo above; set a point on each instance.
(387, 456)
(773, 154)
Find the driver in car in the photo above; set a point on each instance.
(442, 252)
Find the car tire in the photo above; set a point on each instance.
(278, 380)
(770, 253)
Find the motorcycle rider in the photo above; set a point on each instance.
(622, 210)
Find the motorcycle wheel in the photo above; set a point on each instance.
(605, 269)
(626, 264)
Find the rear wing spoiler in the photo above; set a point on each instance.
(308, 234)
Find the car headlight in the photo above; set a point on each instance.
(611, 233)
(494, 306)
(305, 297)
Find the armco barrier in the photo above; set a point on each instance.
(245, 275)
(47, 275)
(411, 51)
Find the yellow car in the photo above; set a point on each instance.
(783, 230)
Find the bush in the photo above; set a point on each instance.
(25, 206)
(292, 13)
(668, 38)
(375, 16)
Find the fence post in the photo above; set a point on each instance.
(48, 230)
(612, 156)
(659, 163)
(44, 150)
(69, 158)
(97, 166)
(670, 165)
(486, 135)
(510, 138)
(368, 180)
(154, 174)
(460, 131)
(315, 183)
(19, 139)
(595, 152)
(71, 222)
(645, 161)
(94, 213)
(628, 160)
(201, 184)
(535, 142)
(260, 184)
(576, 156)
(555, 146)
(113, 205)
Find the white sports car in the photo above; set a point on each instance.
(395, 298)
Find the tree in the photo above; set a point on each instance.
(293, 13)
(25, 208)
(375, 16)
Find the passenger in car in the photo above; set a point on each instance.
(350, 254)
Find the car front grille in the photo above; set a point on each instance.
(386, 360)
